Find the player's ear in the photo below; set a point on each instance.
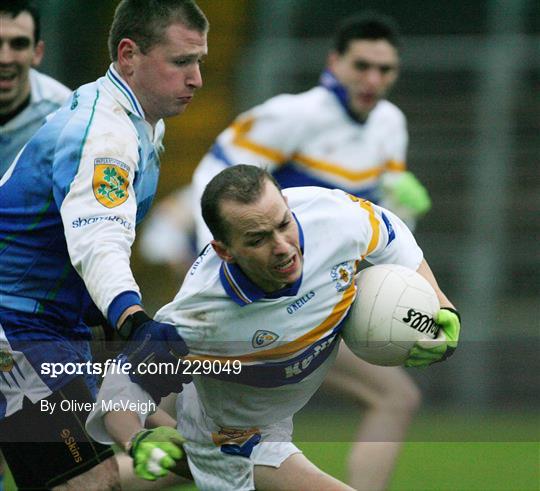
(126, 53)
(38, 53)
(222, 251)
(332, 59)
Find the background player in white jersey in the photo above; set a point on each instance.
(341, 134)
(270, 251)
(26, 96)
(69, 206)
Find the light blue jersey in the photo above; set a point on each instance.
(68, 210)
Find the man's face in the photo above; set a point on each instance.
(263, 240)
(18, 53)
(166, 77)
(368, 69)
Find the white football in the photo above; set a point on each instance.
(394, 308)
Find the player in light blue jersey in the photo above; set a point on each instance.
(26, 96)
(69, 205)
(261, 311)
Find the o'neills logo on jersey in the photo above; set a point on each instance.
(263, 338)
(110, 181)
(343, 275)
(298, 304)
(71, 445)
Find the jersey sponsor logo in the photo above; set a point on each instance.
(421, 322)
(343, 274)
(199, 260)
(83, 222)
(6, 361)
(263, 338)
(301, 366)
(298, 304)
(110, 181)
(71, 445)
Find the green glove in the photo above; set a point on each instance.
(407, 191)
(156, 451)
(430, 351)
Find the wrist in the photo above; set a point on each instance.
(130, 445)
(131, 323)
(454, 311)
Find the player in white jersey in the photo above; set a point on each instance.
(340, 134)
(261, 310)
(68, 209)
(26, 96)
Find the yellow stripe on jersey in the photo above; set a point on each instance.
(395, 166)
(373, 221)
(336, 170)
(241, 128)
(337, 314)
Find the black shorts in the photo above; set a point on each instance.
(44, 450)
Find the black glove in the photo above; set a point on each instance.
(154, 350)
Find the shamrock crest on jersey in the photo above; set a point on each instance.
(110, 182)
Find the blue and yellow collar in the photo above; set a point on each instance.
(243, 291)
(329, 81)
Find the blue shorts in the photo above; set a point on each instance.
(29, 345)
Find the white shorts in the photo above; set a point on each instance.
(223, 459)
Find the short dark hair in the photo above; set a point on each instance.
(368, 25)
(14, 7)
(145, 21)
(240, 183)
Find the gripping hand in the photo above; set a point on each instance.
(405, 190)
(156, 451)
(430, 351)
(156, 343)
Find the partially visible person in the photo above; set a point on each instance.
(168, 235)
(262, 359)
(341, 134)
(69, 205)
(26, 96)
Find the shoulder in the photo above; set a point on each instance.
(106, 116)
(45, 87)
(320, 205)
(294, 106)
(388, 113)
(94, 123)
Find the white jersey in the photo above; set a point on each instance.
(287, 340)
(309, 139)
(46, 96)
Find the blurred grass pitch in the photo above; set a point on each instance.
(444, 451)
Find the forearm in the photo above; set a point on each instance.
(426, 272)
(160, 418)
(122, 425)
